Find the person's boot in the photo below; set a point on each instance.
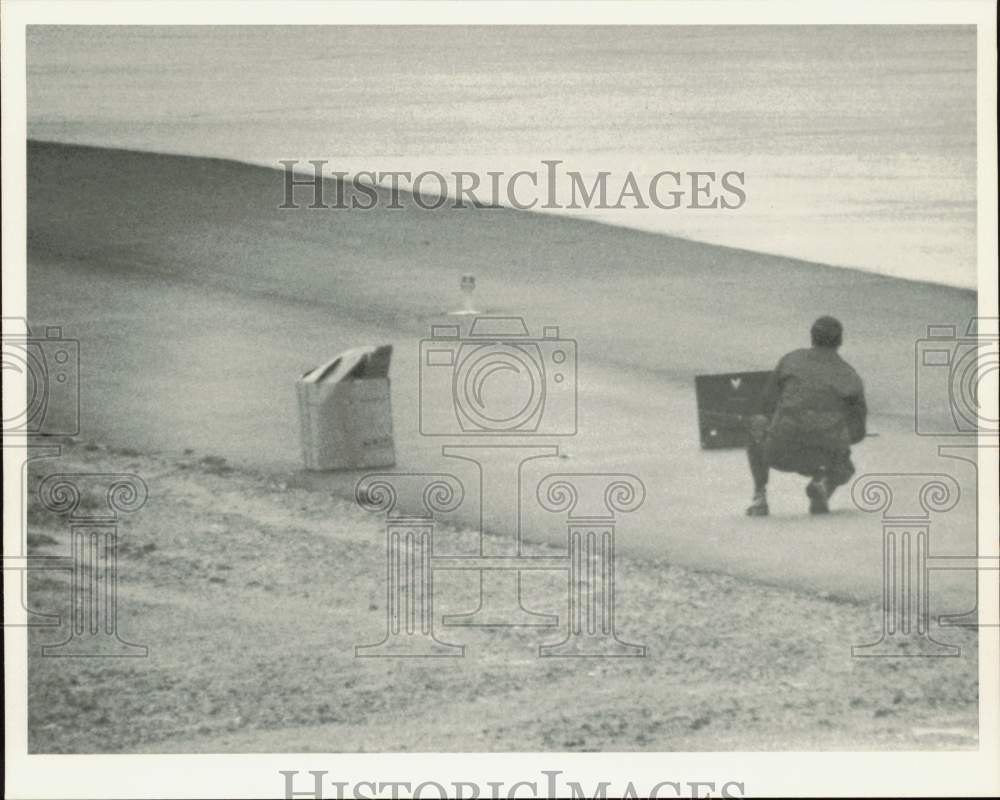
(758, 507)
(819, 496)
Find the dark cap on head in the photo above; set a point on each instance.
(827, 332)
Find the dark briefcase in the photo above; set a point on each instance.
(724, 403)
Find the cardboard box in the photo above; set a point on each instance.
(345, 411)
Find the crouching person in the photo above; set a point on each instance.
(814, 410)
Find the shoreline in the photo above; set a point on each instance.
(549, 213)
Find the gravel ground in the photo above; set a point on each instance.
(251, 591)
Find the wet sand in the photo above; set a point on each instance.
(166, 269)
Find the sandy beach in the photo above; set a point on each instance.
(163, 268)
(251, 590)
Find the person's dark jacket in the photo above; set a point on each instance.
(816, 405)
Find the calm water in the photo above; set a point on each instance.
(858, 143)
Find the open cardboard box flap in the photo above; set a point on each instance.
(359, 363)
